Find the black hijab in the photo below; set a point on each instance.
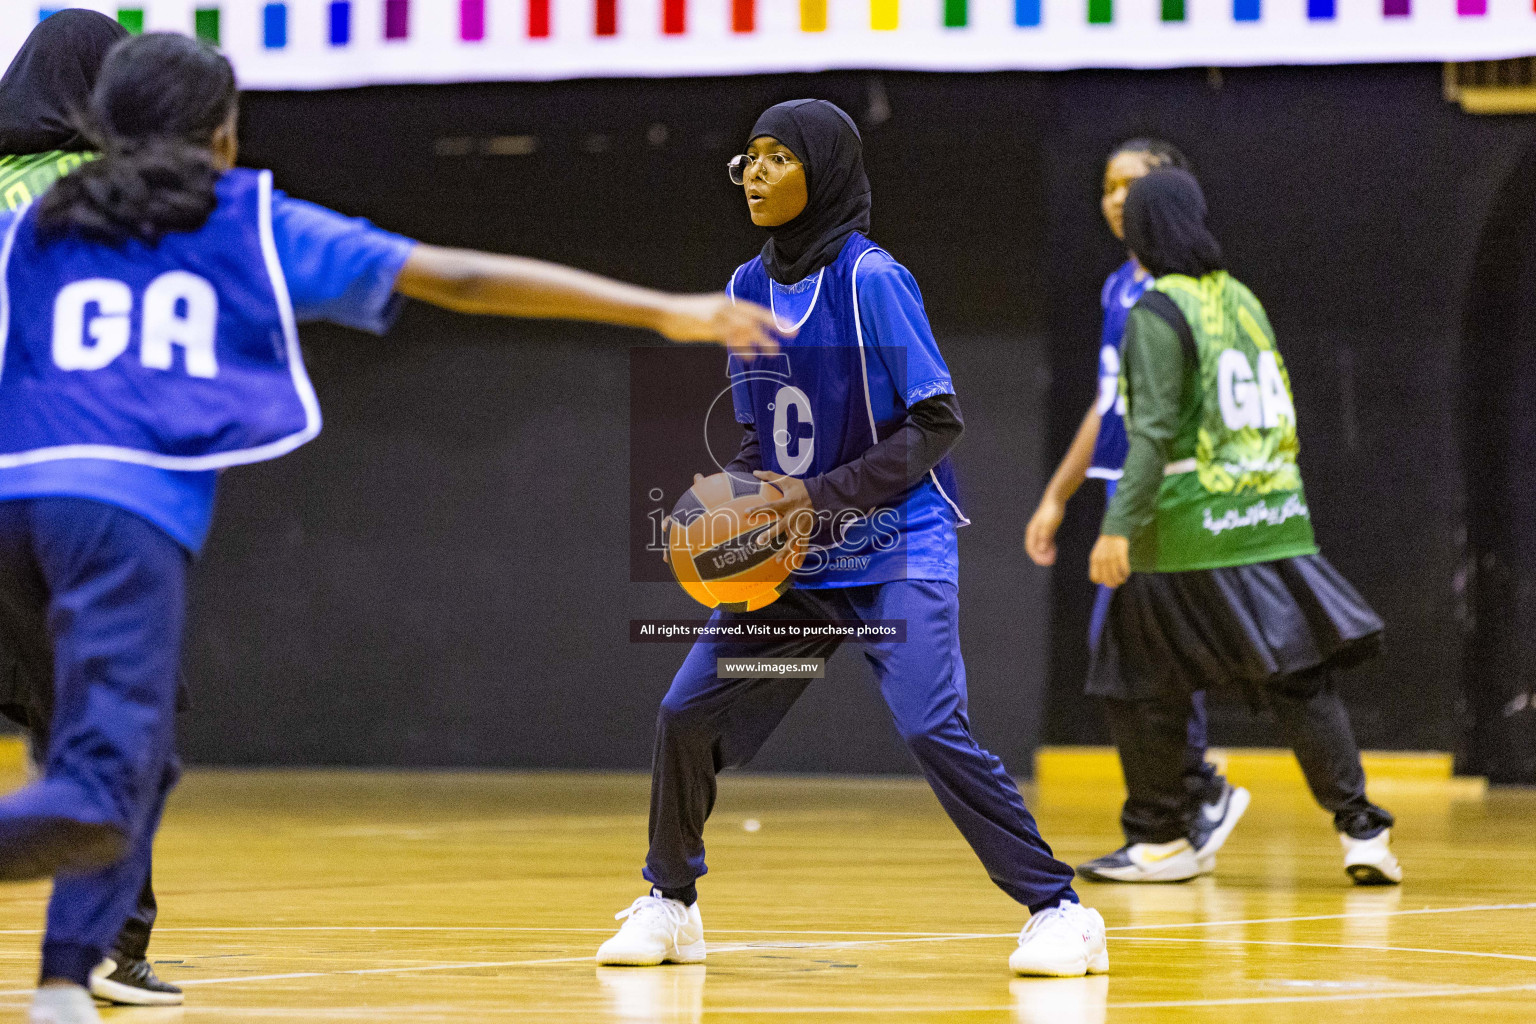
(50, 81)
(1165, 225)
(837, 191)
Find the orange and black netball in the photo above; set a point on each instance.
(726, 556)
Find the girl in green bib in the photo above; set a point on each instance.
(1209, 543)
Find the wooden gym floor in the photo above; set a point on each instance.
(426, 897)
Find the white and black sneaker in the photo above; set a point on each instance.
(1370, 861)
(657, 931)
(1064, 941)
(1145, 862)
(132, 983)
(1214, 822)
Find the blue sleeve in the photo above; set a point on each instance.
(340, 269)
(891, 315)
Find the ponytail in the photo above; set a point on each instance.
(157, 105)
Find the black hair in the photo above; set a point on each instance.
(158, 102)
(1162, 153)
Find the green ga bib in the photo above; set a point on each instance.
(1231, 493)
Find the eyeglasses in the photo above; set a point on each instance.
(773, 167)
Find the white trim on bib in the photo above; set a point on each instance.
(858, 332)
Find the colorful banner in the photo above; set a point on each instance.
(313, 44)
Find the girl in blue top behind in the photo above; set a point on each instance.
(149, 306)
(1098, 452)
(853, 422)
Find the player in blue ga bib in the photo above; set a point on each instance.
(853, 421)
(149, 304)
(1098, 452)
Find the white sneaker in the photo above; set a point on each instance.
(62, 1004)
(1370, 861)
(1066, 941)
(659, 931)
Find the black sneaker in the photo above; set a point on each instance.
(1214, 822)
(1144, 862)
(132, 983)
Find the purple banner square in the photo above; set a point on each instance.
(397, 19)
(472, 20)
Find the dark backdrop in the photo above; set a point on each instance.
(441, 578)
(1498, 437)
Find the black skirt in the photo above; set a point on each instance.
(1173, 633)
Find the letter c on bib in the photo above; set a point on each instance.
(180, 309)
(798, 434)
(107, 328)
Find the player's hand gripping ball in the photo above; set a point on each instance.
(727, 557)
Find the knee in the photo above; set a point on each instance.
(680, 717)
(1131, 720)
(1303, 686)
(926, 736)
(170, 778)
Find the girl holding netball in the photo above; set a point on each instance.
(857, 417)
(1209, 542)
(150, 302)
(1098, 452)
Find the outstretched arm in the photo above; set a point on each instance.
(477, 282)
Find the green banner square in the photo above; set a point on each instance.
(205, 23)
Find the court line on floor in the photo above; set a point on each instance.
(501, 928)
(1327, 945)
(743, 947)
(546, 961)
(798, 931)
(1465, 990)
(783, 1011)
(717, 950)
(1170, 1004)
(1326, 917)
